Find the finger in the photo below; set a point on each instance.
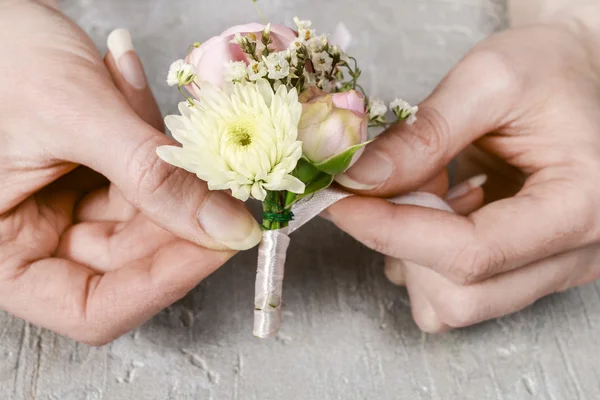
(49, 3)
(424, 314)
(130, 78)
(395, 271)
(462, 202)
(75, 301)
(468, 203)
(467, 196)
(105, 246)
(108, 204)
(471, 101)
(114, 141)
(438, 185)
(459, 306)
(497, 238)
(105, 204)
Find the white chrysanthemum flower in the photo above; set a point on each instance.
(256, 70)
(322, 62)
(235, 71)
(242, 138)
(181, 73)
(302, 24)
(404, 110)
(278, 65)
(377, 108)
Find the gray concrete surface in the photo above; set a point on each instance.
(348, 334)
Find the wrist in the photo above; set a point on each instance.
(580, 18)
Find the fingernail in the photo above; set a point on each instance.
(394, 271)
(423, 313)
(464, 188)
(429, 322)
(228, 222)
(129, 64)
(371, 170)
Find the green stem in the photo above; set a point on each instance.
(274, 211)
(258, 11)
(189, 99)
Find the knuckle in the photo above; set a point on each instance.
(429, 136)
(379, 243)
(150, 173)
(474, 263)
(490, 69)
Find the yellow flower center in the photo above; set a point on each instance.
(240, 133)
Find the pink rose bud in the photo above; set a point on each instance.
(331, 123)
(211, 57)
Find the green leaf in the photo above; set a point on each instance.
(322, 181)
(314, 180)
(339, 163)
(305, 171)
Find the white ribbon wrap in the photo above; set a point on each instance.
(273, 248)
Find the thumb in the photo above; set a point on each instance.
(114, 141)
(471, 101)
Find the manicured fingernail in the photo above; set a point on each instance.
(129, 64)
(228, 222)
(371, 170)
(464, 188)
(395, 271)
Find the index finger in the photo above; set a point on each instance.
(542, 220)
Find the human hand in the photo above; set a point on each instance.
(88, 261)
(528, 97)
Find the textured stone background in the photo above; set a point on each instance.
(348, 334)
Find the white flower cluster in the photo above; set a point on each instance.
(401, 109)
(289, 67)
(181, 73)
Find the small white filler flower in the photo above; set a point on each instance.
(242, 138)
(256, 70)
(322, 62)
(278, 65)
(404, 111)
(181, 73)
(377, 108)
(235, 71)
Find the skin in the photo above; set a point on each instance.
(522, 107)
(94, 242)
(97, 235)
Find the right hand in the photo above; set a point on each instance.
(95, 271)
(529, 98)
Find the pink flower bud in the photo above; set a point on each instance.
(212, 56)
(331, 123)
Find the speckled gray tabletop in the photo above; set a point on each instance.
(348, 333)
